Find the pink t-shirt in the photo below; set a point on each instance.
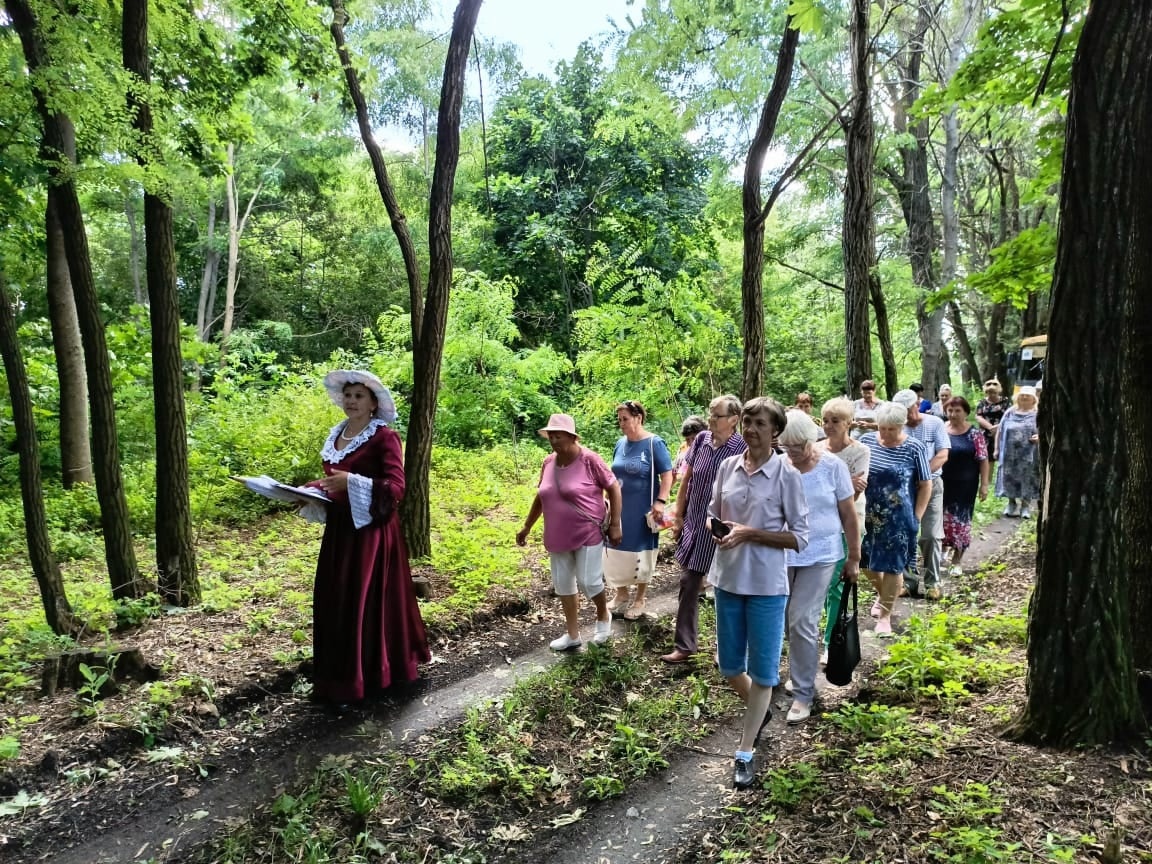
(572, 519)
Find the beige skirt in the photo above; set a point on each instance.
(622, 569)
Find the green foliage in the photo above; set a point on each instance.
(948, 656)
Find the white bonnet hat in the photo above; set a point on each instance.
(337, 379)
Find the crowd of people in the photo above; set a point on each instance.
(775, 509)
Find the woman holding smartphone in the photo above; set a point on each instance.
(758, 512)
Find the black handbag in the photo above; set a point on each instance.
(844, 643)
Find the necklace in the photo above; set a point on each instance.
(344, 437)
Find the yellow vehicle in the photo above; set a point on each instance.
(1026, 366)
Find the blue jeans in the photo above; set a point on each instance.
(750, 635)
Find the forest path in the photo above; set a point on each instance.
(164, 813)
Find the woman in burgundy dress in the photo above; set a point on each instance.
(367, 630)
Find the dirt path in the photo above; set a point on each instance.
(163, 811)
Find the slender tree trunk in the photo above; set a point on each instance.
(755, 215)
(57, 144)
(993, 365)
(859, 234)
(134, 248)
(57, 610)
(204, 309)
(1088, 630)
(175, 552)
(233, 247)
(883, 334)
(970, 370)
(426, 361)
(75, 449)
(376, 157)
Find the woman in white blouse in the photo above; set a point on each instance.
(757, 512)
(831, 518)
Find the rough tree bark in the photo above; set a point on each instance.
(859, 234)
(114, 518)
(883, 334)
(426, 361)
(1088, 626)
(175, 551)
(75, 449)
(57, 610)
(395, 215)
(756, 213)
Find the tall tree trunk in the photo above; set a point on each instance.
(883, 335)
(993, 359)
(58, 142)
(859, 234)
(233, 210)
(395, 215)
(75, 449)
(175, 552)
(57, 610)
(970, 369)
(206, 304)
(426, 361)
(755, 215)
(134, 248)
(1088, 630)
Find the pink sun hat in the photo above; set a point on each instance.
(560, 423)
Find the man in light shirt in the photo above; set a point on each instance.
(932, 434)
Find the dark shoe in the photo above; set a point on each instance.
(677, 656)
(743, 774)
(763, 726)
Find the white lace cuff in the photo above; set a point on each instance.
(360, 497)
(314, 511)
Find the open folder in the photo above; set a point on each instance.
(269, 488)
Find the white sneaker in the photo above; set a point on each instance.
(564, 643)
(799, 712)
(603, 632)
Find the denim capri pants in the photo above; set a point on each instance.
(750, 635)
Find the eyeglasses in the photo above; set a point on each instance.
(867, 389)
(712, 416)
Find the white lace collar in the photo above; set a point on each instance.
(331, 454)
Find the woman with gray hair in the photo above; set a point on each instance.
(899, 486)
(757, 512)
(831, 518)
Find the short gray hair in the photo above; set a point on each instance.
(906, 398)
(892, 413)
(693, 425)
(767, 405)
(801, 429)
(730, 404)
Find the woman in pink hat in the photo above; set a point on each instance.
(570, 497)
(367, 630)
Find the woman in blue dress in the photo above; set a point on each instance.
(899, 487)
(643, 466)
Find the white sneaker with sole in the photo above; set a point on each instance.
(564, 643)
(799, 712)
(603, 632)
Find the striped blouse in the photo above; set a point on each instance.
(697, 546)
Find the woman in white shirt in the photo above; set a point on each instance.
(831, 518)
(758, 512)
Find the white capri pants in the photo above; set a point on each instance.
(581, 569)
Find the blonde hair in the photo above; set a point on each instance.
(840, 408)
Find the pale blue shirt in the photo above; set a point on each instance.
(769, 499)
(932, 433)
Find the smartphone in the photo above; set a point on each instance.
(719, 529)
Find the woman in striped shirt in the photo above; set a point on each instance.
(695, 544)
